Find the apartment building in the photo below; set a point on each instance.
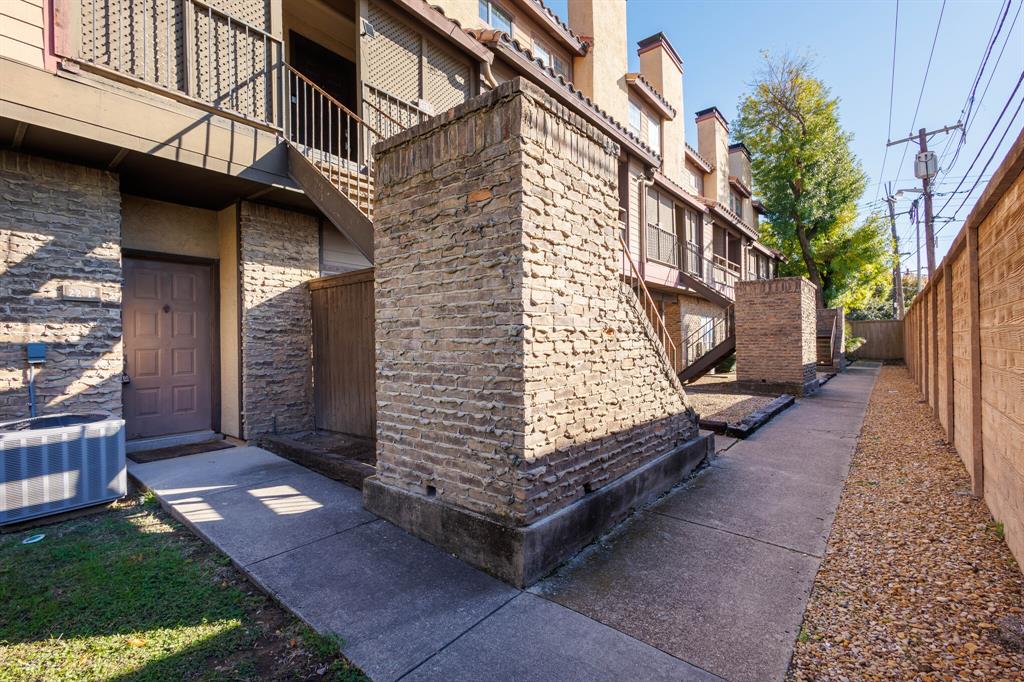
(209, 136)
(690, 220)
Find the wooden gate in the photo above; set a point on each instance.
(344, 379)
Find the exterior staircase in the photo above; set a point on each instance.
(708, 345)
(330, 157)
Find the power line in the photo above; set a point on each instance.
(966, 114)
(992, 156)
(995, 150)
(987, 138)
(999, 57)
(892, 90)
(924, 81)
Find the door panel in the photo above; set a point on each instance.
(167, 347)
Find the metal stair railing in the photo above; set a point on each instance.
(719, 328)
(636, 282)
(332, 137)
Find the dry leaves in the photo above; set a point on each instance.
(916, 582)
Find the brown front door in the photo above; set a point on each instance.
(167, 347)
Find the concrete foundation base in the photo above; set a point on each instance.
(523, 555)
(779, 387)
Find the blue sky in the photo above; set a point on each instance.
(720, 42)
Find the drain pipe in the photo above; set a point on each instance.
(643, 182)
(489, 78)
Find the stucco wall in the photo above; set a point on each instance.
(162, 227)
(61, 228)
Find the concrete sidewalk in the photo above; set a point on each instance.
(708, 583)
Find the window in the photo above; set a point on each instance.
(542, 53)
(550, 58)
(634, 118)
(495, 16)
(736, 203)
(696, 180)
(693, 227)
(654, 133)
(560, 66)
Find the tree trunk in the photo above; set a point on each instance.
(812, 267)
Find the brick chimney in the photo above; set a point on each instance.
(601, 74)
(662, 67)
(713, 145)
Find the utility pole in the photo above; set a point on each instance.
(925, 167)
(897, 279)
(926, 176)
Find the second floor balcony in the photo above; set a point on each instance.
(671, 261)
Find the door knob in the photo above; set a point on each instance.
(167, 308)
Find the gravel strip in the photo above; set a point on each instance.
(916, 582)
(727, 407)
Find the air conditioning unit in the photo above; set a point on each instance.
(60, 462)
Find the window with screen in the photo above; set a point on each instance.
(494, 15)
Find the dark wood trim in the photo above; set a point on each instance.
(352, 277)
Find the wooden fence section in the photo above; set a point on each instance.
(964, 345)
(883, 339)
(344, 377)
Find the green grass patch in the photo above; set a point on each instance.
(129, 595)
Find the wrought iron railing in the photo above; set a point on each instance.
(389, 114)
(331, 137)
(189, 49)
(662, 246)
(709, 334)
(710, 271)
(635, 281)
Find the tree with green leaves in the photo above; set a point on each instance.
(809, 182)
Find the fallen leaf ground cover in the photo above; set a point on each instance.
(917, 582)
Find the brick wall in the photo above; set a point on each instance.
(515, 371)
(61, 226)
(776, 322)
(278, 253)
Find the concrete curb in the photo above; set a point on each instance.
(752, 422)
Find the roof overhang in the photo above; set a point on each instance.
(445, 27)
(514, 55)
(767, 250)
(673, 188)
(736, 183)
(694, 157)
(649, 94)
(554, 26)
(721, 211)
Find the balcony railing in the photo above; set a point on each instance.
(189, 49)
(389, 114)
(662, 246)
(717, 272)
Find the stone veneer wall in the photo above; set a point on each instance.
(515, 371)
(278, 254)
(61, 226)
(776, 334)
